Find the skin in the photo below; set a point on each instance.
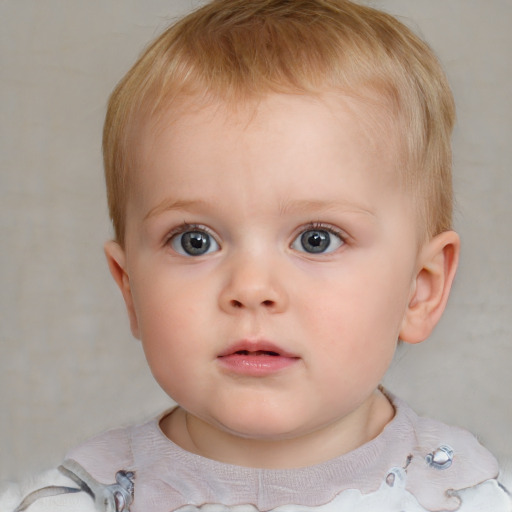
(252, 181)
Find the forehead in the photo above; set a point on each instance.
(196, 120)
(279, 148)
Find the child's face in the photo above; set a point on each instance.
(270, 258)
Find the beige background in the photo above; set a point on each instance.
(68, 365)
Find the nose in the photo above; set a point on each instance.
(253, 284)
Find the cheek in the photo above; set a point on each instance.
(163, 299)
(174, 314)
(170, 329)
(357, 310)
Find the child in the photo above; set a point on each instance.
(278, 176)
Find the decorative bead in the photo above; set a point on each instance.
(440, 458)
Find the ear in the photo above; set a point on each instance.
(116, 259)
(437, 264)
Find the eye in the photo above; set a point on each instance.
(318, 241)
(195, 242)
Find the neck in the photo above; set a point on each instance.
(332, 440)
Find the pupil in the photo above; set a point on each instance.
(315, 241)
(195, 243)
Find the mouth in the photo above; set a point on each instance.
(256, 348)
(257, 353)
(256, 359)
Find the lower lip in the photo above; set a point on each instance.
(256, 365)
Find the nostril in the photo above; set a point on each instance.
(237, 304)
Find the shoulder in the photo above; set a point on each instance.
(449, 469)
(94, 477)
(118, 449)
(32, 493)
(105, 454)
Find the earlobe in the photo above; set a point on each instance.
(116, 259)
(437, 265)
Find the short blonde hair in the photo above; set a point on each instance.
(233, 50)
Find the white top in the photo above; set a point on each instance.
(415, 464)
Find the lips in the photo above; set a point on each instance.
(256, 358)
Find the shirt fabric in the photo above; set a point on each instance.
(415, 464)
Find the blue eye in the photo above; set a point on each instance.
(194, 243)
(317, 241)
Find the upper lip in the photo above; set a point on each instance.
(252, 346)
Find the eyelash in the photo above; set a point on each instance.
(312, 226)
(184, 227)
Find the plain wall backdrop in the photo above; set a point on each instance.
(69, 367)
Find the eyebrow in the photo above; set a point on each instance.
(297, 205)
(312, 205)
(169, 204)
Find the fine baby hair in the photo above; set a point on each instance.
(235, 51)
